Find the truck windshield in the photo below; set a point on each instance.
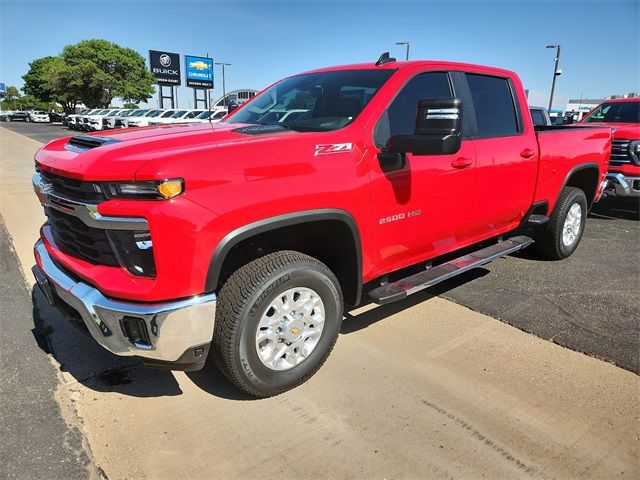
(616, 112)
(315, 101)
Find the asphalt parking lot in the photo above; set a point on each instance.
(588, 303)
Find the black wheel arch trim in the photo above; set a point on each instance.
(577, 168)
(273, 223)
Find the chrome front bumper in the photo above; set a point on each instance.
(622, 186)
(179, 332)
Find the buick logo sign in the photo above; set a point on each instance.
(165, 60)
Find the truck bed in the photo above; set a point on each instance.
(565, 149)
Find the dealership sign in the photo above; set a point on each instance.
(165, 67)
(199, 71)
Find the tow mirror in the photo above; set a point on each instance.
(437, 130)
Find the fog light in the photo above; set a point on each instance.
(170, 188)
(136, 331)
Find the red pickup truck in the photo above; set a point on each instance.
(623, 115)
(245, 238)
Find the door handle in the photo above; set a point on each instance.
(527, 153)
(461, 162)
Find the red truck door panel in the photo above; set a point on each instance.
(507, 155)
(427, 205)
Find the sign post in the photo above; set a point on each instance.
(199, 77)
(165, 66)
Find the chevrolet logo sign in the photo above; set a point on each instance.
(199, 65)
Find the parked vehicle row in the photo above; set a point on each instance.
(36, 116)
(110, 118)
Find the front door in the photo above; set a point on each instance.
(423, 209)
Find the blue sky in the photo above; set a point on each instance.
(266, 40)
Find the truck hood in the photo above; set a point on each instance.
(623, 131)
(124, 152)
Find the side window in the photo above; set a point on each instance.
(538, 117)
(493, 102)
(400, 117)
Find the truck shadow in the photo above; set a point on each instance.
(90, 364)
(616, 208)
(99, 370)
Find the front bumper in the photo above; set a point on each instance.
(178, 333)
(623, 186)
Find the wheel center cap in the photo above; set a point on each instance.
(294, 330)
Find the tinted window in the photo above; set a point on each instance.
(493, 102)
(314, 101)
(538, 117)
(400, 117)
(616, 112)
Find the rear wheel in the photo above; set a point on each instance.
(564, 231)
(277, 321)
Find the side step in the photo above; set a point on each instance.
(537, 220)
(392, 292)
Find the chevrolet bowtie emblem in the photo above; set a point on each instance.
(199, 65)
(295, 330)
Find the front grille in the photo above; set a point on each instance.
(74, 189)
(118, 122)
(620, 152)
(75, 238)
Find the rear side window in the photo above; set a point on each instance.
(493, 102)
(538, 117)
(400, 117)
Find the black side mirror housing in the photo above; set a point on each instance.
(231, 108)
(437, 131)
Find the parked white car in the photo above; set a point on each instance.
(143, 121)
(73, 118)
(82, 121)
(140, 112)
(95, 120)
(39, 117)
(213, 116)
(116, 120)
(178, 117)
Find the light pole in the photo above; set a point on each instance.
(406, 44)
(224, 91)
(556, 72)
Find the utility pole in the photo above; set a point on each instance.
(224, 90)
(406, 44)
(556, 73)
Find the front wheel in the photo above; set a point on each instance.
(277, 320)
(564, 231)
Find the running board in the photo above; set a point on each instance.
(392, 292)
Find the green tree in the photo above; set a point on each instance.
(11, 100)
(37, 79)
(97, 71)
(130, 105)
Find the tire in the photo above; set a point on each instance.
(245, 302)
(554, 242)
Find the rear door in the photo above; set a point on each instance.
(506, 155)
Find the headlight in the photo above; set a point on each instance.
(150, 190)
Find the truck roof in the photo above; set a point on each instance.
(404, 65)
(617, 100)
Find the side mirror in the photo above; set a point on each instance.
(437, 132)
(231, 108)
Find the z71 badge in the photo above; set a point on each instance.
(330, 148)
